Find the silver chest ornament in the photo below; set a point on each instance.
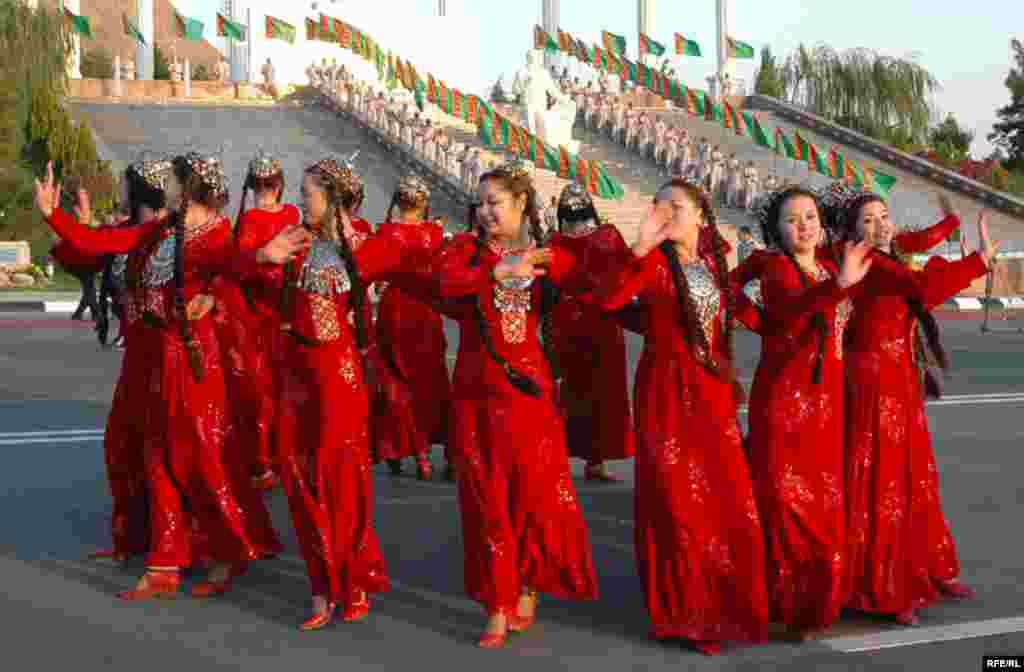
(324, 270)
(160, 265)
(704, 293)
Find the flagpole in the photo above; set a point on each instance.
(249, 35)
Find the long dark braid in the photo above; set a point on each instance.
(357, 294)
(192, 347)
(517, 379)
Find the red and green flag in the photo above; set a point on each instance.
(311, 31)
(685, 47)
(326, 25)
(564, 41)
(649, 46)
(759, 135)
(837, 165)
(186, 28)
(280, 30)
(132, 29)
(695, 102)
(872, 179)
(783, 145)
(739, 49)
(230, 29)
(613, 43)
(713, 112)
(541, 40)
(78, 25)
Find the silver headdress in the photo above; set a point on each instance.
(210, 170)
(263, 165)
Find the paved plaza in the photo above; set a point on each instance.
(60, 611)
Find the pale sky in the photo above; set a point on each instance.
(966, 46)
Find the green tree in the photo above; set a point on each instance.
(1008, 132)
(951, 141)
(200, 73)
(769, 76)
(161, 68)
(861, 89)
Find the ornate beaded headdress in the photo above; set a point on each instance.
(517, 169)
(264, 165)
(210, 171)
(413, 189)
(342, 172)
(153, 169)
(574, 198)
(841, 202)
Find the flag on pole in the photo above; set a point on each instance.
(783, 145)
(230, 29)
(739, 49)
(613, 43)
(279, 30)
(649, 46)
(78, 24)
(132, 29)
(188, 29)
(685, 47)
(759, 134)
(325, 25)
(838, 165)
(310, 29)
(564, 41)
(873, 180)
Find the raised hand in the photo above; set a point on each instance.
(856, 263)
(946, 204)
(283, 247)
(524, 265)
(83, 208)
(199, 306)
(47, 193)
(989, 248)
(653, 232)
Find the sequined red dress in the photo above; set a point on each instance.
(196, 492)
(324, 420)
(591, 351)
(411, 345)
(899, 542)
(796, 437)
(521, 521)
(698, 539)
(249, 330)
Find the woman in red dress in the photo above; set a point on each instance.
(142, 193)
(589, 345)
(796, 408)
(191, 486)
(252, 326)
(901, 554)
(523, 530)
(699, 541)
(324, 421)
(411, 345)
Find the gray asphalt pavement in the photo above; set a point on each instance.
(54, 507)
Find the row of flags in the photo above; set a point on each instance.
(616, 44)
(185, 27)
(832, 164)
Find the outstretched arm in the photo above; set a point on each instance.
(912, 242)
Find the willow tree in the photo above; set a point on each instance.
(878, 95)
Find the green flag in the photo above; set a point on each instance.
(649, 46)
(78, 24)
(685, 47)
(280, 30)
(760, 136)
(783, 145)
(230, 29)
(739, 49)
(189, 29)
(613, 43)
(879, 182)
(132, 29)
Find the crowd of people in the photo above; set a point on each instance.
(253, 358)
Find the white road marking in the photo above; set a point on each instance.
(53, 432)
(891, 639)
(97, 438)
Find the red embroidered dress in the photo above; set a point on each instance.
(796, 437)
(699, 542)
(412, 349)
(194, 490)
(521, 521)
(591, 351)
(899, 541)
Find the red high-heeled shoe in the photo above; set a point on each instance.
(493, 640)
(153, 585)
(708, 647)
(517, 623)
(908, 617)
(955, 589)
(210, 588)
(358, 609)
(319, 619)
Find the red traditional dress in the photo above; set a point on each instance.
(521, 521)
(324, 418)
(699, 542)
(249, 335)
(591, 351)
(413, 351)
(899, 543)
(796, 436)
(194, 491)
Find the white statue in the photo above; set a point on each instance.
(553, 124)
